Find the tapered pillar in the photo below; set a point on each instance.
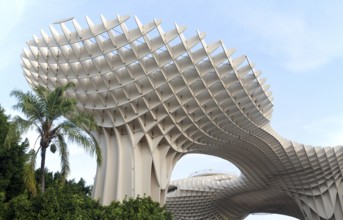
(322, 202)
(133, 164)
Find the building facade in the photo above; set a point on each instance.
(157, 95)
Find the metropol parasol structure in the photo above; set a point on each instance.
(157, 95)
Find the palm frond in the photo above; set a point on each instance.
(78, 136)
(43, 110)
(85, 140)
(57, 104)
(13, 135)
(29, 172)
(64, 153)
(29, 105)
(88, 124)
(84, 120)
(97, 149)
(64, 125)
(25, 125)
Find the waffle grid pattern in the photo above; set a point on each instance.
(157, 95)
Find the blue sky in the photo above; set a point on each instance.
(298, 45)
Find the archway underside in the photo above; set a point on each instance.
(158, 95)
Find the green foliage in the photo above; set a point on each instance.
(66, 203)
(141, 208)
(2, 204)
(12, 159)
(19, 207)
(56, 118)
(4, 126)
(54, 180)
(11, 169)
(62, 199)
(29, 176)
(72, 201)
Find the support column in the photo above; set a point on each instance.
(322, 203)
(133, 164)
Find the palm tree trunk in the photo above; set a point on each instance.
(42, 168)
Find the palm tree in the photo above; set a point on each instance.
(57, 121)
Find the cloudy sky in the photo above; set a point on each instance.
(297, 44)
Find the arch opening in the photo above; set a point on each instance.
(197, 164)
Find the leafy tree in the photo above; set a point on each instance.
(61, 203)
(57, 120)
(142, 208)
(72, 201)
(54, 180)
(4, 125)
(12, 161)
